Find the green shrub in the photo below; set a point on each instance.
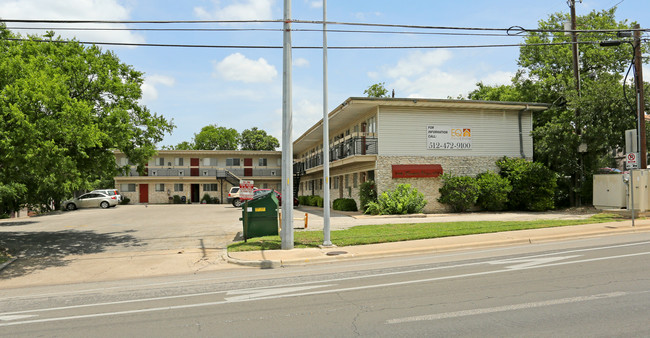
(177, 199)
(493, 191)
(304, 200)
(367, 193)
(316, 201)
(533, 185)
(214, 200)
(125, 200)
(459, 192)
(206, 198)
(344, 204)
(402, 200)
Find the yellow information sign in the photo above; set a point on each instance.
(262, 209)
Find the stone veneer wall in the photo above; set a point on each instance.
(458, 166)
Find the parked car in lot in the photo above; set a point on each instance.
(110, 192)
(258, 192)
(233, 197)
(91, 200)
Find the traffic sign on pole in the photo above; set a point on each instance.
(631, 160)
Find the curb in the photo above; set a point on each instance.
(272, 264)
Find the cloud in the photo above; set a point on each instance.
(423, 74)
(71, 10)
(237, 10)
(149, 91)
(315, 4)
(236, 67)
(300, 62)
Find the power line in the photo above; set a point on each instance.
(308, 22)
(299, 47)
(253, 30)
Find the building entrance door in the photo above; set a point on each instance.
(144, 193)
(194, 189)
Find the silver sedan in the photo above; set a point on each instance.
(91, 200)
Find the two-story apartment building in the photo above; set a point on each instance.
(193, 173)
(414, 141)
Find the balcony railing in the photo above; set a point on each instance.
(206, 172)
(340, 150)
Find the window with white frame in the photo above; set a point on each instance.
(336, 182)
(129, 187)
(178, 186)
(160, 187)
(232, 162)
(161, 161)
(178, 161)
(210, 187)
(262, 162)
(355, 180)
(210, 162)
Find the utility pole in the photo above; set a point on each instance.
(286, 233)
(640, 100)
(326, 145)
(577, 177)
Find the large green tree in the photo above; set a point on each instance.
(596, 118)
(217, 138)
(377, 90)
(64, 109)
(257, 139)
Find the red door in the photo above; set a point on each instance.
(144, 193)
(194, 162)
(248, 162)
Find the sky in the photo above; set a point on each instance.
(241, 88)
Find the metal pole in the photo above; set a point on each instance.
(632, 193)
(326, 142)
(576, 75)
(287, 147)
(640, 105)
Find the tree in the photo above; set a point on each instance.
(596, 118)
(64, 108)
(377, 90)
(257, 139)
(217, 138)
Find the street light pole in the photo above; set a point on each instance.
(286, 233)
(326, 144)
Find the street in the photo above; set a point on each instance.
(587, 287)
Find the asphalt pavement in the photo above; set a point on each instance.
(145, 241)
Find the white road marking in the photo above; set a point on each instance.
(514, 307)
(251, 294)
(15, 317)
(528, 262)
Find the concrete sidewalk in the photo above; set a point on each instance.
(279, 258)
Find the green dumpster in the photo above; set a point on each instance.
(260, 216)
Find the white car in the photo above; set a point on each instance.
(91, 200)
(110, 192)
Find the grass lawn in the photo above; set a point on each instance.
(384, 233)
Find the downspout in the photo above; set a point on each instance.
(521, 134)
